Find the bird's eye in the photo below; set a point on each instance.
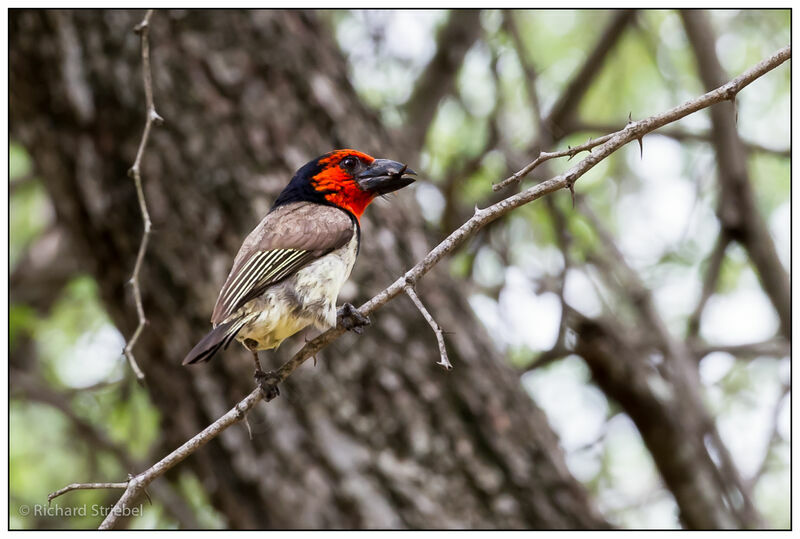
(349, 163)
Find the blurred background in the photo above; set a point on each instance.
(623, 362)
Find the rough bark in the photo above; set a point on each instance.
(375, 435)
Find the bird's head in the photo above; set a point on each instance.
(348, 179)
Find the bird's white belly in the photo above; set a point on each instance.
(307, 297)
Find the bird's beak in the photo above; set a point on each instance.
(384, 176)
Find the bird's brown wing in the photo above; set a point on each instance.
(287, 239)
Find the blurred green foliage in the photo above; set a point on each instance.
(78, 363)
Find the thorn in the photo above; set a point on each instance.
(247, 424)
(630, 119)
(445, 366)
(156, 117)
(571, 186)
(314, 357)
(641, 147)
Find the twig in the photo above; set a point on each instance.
(715, 260)
(83, 486)
(774, 347)
(143, 29)
(529, 80)
(774, 437)
(546, 156)
(549, 356)
(480, 219)
(443, 361)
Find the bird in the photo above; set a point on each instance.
(290, 269)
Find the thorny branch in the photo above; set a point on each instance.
(481, 218)
(676, 134)
(443, 361)
(560, 113)
(546, 156)
(143, 29)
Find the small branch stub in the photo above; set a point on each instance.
(444, 361)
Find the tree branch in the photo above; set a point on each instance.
(83, 486)
(682, 375)
(715, 260)
(443, 361)
(152, 117)
(737, 211)
(439, 77)
(777, 346)
(136, 485)
(567, 104)
(530, 74)
(480, 219)
(678, 134)
(774, 438)
(546, 156)
(636, 130)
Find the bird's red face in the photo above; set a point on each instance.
(351, 179)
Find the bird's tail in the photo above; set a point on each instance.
(219, 337)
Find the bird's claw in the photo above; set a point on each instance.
(268, 382)
(351, 319)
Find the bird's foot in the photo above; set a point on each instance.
(351, 319)
(268, 382)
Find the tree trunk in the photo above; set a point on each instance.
(375, 435)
